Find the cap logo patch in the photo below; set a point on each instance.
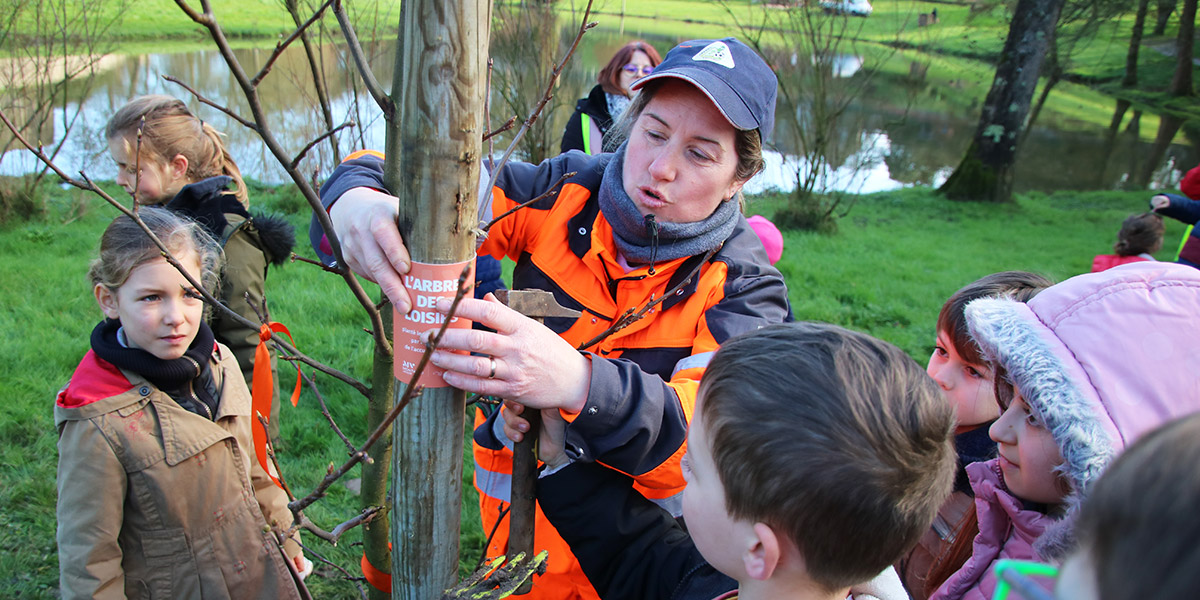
(716, 52)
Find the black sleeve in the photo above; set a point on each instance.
(629, 548)
(573, 135)
(1182, 209)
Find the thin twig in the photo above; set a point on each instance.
(325, 267)
(356, 580)
(292, 567)
(137, 161)
(236, 117)
(487, 114)
(271, 454)
(491, 534)
(505, 127)
(584, 26)
(360, 60)
(631, 316)
(312, 386)
(366, 516)
(200, 18)
(300, 156)
(548, 193)
(410, 392)
(266, 68)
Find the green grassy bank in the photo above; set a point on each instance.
(887, 271)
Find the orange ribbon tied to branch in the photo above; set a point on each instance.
(264, 389)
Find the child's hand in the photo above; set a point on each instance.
(303, 566)
(552, 437)
(1159, 201)
(515, 426)
(552, 440)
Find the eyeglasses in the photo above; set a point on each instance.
(635, 70)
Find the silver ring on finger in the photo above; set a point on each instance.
(492, 375)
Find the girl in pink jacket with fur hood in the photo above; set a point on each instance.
(1082, 370)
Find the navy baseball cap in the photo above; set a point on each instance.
(734, 77)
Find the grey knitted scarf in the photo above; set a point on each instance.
(645, 240)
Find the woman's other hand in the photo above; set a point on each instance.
(364, 220)
(522, 361)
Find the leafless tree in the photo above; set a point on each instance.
(53, 48)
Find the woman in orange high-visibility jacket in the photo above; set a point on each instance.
(627, 228)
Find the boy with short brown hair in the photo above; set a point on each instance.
(817, 456)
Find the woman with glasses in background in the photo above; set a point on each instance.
(596, 113)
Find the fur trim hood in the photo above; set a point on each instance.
(277, 235)
(1101, 358)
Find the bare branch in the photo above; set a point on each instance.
(318, 140)
(262, 421)
(310, 194)
(202, 19)
(232, 115)
(312, 385)
(292, 567)
(366, 516)
(487, 116)
(324, 267)
(554, 189)
(491, 534)
(505, 127)
(357, 580)
(360, 60)
(279, 48)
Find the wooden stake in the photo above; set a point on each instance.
(433, 160)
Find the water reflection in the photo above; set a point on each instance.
(884, 145)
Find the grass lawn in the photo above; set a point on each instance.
(894, 260)
(239, 18)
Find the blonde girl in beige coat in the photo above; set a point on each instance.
(158, 496)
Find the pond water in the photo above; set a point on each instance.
(889, 141)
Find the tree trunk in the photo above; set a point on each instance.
(1168, 126)
(1052, 80)
(986, 172)
(1110, 142)
(1053, 72)
(1129, 81)
(1162, 15)
(375, 474)
(433, 161)
(1181, 82)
